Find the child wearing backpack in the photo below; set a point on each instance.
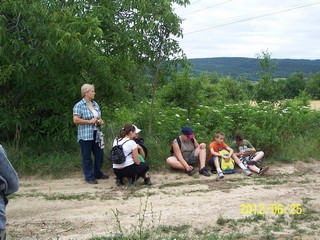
(215, 157)
(132, 168)
(186, 152)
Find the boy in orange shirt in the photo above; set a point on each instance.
(215, 156)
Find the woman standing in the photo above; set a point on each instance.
(87, 117)
(132, 168)
(9, 183)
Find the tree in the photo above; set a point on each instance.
(50, 48)
(294, 85)
(267, 89)
(313, 86)
(183, 91)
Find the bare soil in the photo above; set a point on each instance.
(315, 104)
(72, 209)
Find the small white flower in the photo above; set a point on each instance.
(177, 115)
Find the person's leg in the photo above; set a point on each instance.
(258, 156)
(134, 171)
(201, 155)
(217, 165)
(245, 170)
(254, 168)
(86, 147)
(141, 169)
(173, 162)
(98, 159)
(257, 170)
(211, 164)
(3, 219)
(3, 235)
(119, 176)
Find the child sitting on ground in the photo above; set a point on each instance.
(214, 157)
(248, 154)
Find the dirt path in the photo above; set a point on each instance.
(71, 209)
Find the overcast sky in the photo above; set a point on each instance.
(244, 28)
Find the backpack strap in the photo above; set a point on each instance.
(179, 143)
(122, 145)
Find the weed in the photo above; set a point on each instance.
(305, 200)
(222, 221)
(172, 184)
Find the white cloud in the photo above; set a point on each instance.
(243, 28)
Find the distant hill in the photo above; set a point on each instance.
(249, 67)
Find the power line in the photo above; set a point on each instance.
(251, 18)
(205, 8)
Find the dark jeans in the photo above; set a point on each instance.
(2, 234)
(86, 148)
(133, 171)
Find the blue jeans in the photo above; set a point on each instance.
(9, 183)
(86, 148)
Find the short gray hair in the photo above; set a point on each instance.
(86, 88)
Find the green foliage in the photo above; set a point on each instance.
(49, 49)
(313, 86)
(294, 85)
(129, 51)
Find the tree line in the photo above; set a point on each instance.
(127, 49)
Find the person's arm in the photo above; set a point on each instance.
(135, 156)
(8, 174)
(230, 150)
(178, 154)
(201, 145)
(141, 151)
(214, 153)
(79, 121)
(249, 151)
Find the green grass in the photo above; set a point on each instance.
(56, 196)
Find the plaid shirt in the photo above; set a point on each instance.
(85, 132)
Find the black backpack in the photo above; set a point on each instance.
(116, 154)
(179, 143)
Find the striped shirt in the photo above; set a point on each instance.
(81, 109)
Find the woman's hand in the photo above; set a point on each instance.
(189, 168)
(100, 122)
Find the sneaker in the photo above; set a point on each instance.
(92, 181)
(220, 175)
(147, 181)
(263, 170)
(247, 172)
(190, 173)
(204, 172)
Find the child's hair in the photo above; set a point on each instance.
(239, 137)
(218, 134)
(126, 130)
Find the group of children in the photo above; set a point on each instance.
(241, 152)
(186, 149)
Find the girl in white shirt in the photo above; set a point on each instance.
(132, 168)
